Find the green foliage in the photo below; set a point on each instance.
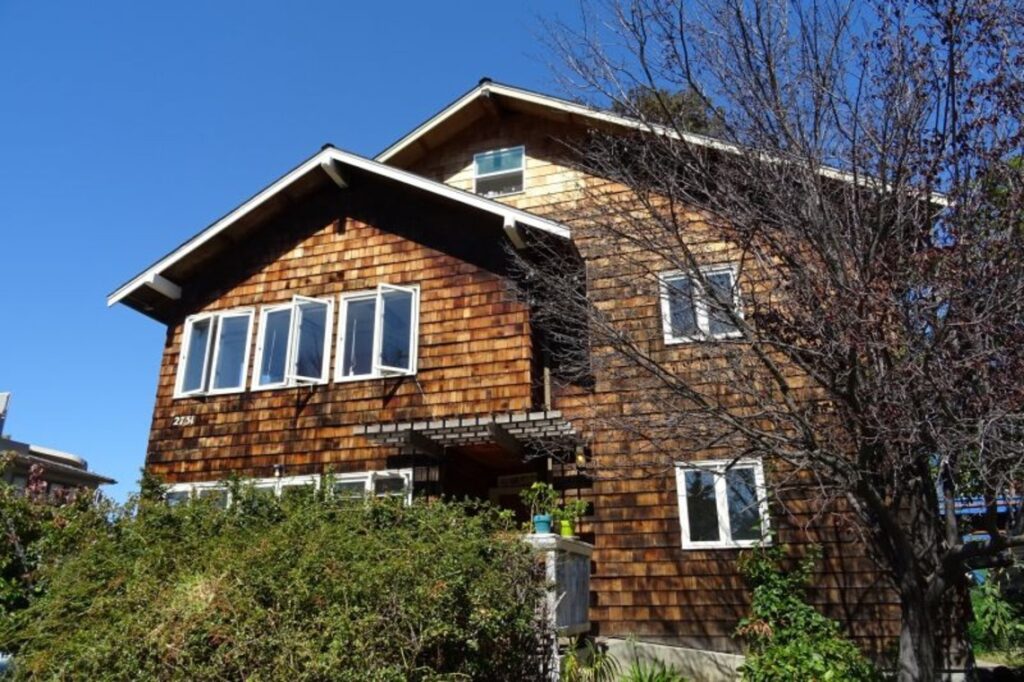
(541, 498)
(304, 588)
(594, 664)
(788, 638)
(998, 623)
(651, 671)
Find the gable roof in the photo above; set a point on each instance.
(330, 164)
(488, 93)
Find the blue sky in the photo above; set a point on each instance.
(126, 127)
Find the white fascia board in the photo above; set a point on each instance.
(328, 157)
(613, 119)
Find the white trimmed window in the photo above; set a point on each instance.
(214, 353)
(689, 313)
(378, 333)
(499, 172)
(722, 504)
(385, 483)
(293, 346)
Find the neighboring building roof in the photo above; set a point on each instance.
(70, 469)
(329, 165)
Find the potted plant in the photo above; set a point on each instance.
(569, 515)
(541, 499)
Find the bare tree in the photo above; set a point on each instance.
(866, 183)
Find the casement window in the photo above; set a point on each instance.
(294, 343)
(214, 353)
(499, 172)
(378, 333)
(690, 313)
(722, 504)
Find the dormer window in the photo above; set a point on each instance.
(214, 353)
(294, 343)
(499, 172)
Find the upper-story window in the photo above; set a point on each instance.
(499, 172)
(377, 333)
(689, 313)
(214, 353)
(722, 504)
(294, 343)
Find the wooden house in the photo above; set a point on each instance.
(357, 316)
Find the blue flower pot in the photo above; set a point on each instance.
(542, 523)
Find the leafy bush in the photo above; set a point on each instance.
(590, 663)
(304, 588)
(788, 638)
(998, 623)
(656, 671)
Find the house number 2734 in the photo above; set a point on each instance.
(183, 420)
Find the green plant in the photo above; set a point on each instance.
(596, 664)
(306, 588)
(998, 624)
(573, 510)
(788, 638)
(651, 671)
(540, 497)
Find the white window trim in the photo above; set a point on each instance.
(212, 351)
(278, 484)
(718, 468)
(414, 343)
(495, 174)
(290, 380)
(700, 306)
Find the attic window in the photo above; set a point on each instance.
(214, 353)
(294, 343)
(499, 172)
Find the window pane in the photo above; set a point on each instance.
(357, 353)
(744, 512)
(701, 506)
(396, 346)
(176, 497)
(384, 487)
(218, 497)
(718, 320)
(198, 346)
(275, 346)
(349, 489)
(231, 341)
(497, 185)
(312, 334)
(495, 162)
(682, 316)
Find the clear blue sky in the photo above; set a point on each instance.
(126, 127)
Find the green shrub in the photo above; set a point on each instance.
(651, 671)
(304, 588)
(998, 623)
(788, 638)
(589, 663)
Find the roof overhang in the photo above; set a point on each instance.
(488, 94)
(159, 283)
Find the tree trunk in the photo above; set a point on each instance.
(919, 659)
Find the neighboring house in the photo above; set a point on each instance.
(355, 316)
(59, 470)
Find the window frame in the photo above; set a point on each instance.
(718, 468)
(278, 483)
(212, 352)
(377, 370)
(701, 311)
(291, 380)
(495, 174)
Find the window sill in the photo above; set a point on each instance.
(739, 544)
(371, 377)
(284, 387)
(209, 394)
(679, 340)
